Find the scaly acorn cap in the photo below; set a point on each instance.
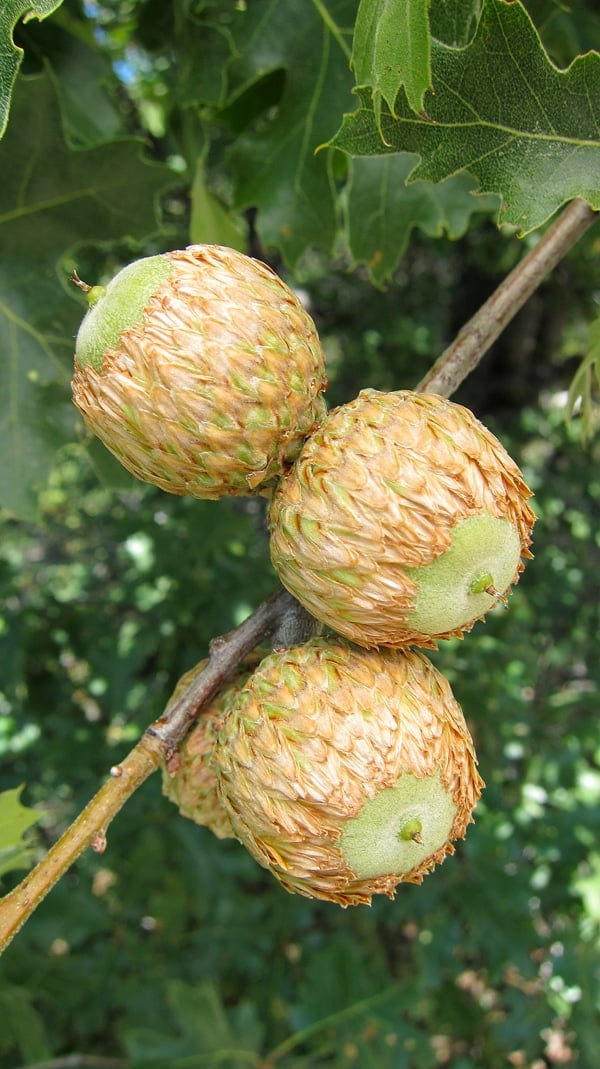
(190, 780)
(347, 771)
(403, 520)
(200, 370)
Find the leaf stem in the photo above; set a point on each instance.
(481, 331)
(333, 28)
(156, 746)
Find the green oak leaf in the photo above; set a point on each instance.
(383, 210)
(391, 48)
(52, 199)
(22, 1023)
(274, 165)
(11, 12)
(502, 112)
(202, 1026)
(15, 819)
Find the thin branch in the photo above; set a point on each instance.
(476, 337)
(156, 745)
(226, 652)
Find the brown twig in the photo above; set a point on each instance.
(481, 331)
(225, 653)
(155, 746)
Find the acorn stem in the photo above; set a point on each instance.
(84, 286)
(92, 293)
(491, 590)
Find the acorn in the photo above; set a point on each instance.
(403, 520)
(190, 779)
(347, 771)
(200, 370)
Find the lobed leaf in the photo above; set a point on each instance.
(382, 211)
(392, 49)
(502, 112)
(204, 1028)
(274, 163)
(11, 12)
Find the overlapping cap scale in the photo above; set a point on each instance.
(190, 782)
(402, 521)
(347, 771)
(213, 387)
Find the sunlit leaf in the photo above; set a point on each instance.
(15, 820)
(588, 886)
(210, 221)
(391, 49)
(505, 114)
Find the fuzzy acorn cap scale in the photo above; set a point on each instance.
(190, 780)
(403, 520)
(200, 370)
(347, 771)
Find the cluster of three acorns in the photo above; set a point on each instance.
(344, 764)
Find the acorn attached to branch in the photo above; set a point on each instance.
(190, 780)
(200, 370)
(347, 771)
(403, 521)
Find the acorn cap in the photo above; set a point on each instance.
(403, 520)
(347, 771)
(200, 370)
(190, 780)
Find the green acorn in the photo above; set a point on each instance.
(403, 520)
(190, 781)
(200, 370)
(346, 771)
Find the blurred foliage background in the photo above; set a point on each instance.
(174, 949)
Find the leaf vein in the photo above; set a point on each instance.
(502, 30)
(315, 97)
